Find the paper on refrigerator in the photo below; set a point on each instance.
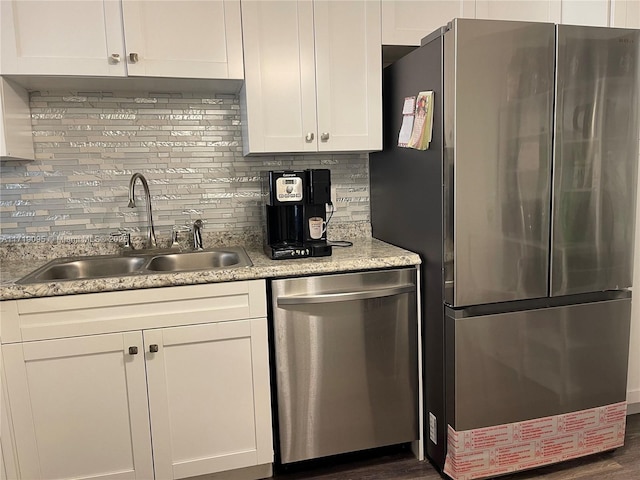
(407, 121)
(417, 121)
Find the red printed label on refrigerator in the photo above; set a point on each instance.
(485, 452)
(578, 421)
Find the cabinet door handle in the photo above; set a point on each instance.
(115, 58)
(153, 348)
(133, 350)
(324, 137)
(133, 57)
(309, 137)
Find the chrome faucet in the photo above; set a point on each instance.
(197, 235)
(151, 233)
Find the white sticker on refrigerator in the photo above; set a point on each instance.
(433, 428)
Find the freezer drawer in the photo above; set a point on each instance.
(346, 362)
(528, 364)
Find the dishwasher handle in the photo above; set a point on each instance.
(345, 297)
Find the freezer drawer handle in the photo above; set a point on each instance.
(345, 297)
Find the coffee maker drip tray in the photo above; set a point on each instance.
(287, 250)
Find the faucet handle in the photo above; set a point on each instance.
(127, 239)
(176, 229)
(197, 234)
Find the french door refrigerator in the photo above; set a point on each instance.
(523, 210)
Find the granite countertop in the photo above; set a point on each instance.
(365, 254)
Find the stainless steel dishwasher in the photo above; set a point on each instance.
(346, 362)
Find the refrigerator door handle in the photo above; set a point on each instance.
(345, 297)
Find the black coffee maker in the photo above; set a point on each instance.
(295, 213)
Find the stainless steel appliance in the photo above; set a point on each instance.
(346, 362)
(295, 213)
(522, 209)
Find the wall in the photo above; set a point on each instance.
(187, 146)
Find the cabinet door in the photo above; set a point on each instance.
(406, 22)
(61, 37)
(188, 39)
(16, 139)
(348, 75)
(79, 407)
(526, 10)
(8, 462)
(279, 95)
(625, 13)
(209, 397)
(581, 12)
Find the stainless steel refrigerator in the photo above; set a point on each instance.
(523, 210)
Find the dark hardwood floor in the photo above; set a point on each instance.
(620, 464)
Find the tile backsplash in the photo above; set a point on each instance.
(188, 146)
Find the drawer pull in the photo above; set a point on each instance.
(133, 350)
(153, 348)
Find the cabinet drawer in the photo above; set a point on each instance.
(74, 315)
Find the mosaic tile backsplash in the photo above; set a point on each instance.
(188, 146)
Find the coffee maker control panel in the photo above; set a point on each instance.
(289, 189)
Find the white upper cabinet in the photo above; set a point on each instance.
(406, 22)
(599, 13)
(56, 37)
(525, 10)
(586, 12)
(348, 75)
(194, 39)
(313, 77)
(625, 14)
(16, 139)
(602, 13)
(279, 95)
(182, 39)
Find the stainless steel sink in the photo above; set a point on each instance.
(84, 268)
(204, 260)
(79, 268)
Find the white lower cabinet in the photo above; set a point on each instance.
(79, 407)
(169, 402)
(209, 397)
(8, 462)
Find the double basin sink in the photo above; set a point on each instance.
(82, 268)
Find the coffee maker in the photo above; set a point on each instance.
(295, 213)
